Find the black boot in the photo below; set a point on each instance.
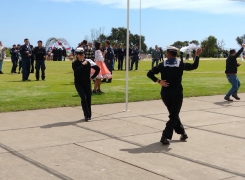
(109, 80)
(235, 96)
(164, 141)
(104, 80)
(183, 137)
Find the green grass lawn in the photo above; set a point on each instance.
(58, 89)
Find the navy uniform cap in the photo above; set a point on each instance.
(172, 48)
(79, 50)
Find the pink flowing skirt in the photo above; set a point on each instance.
(104, 72)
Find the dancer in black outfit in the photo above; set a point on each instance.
(82, 80)
(172, 91)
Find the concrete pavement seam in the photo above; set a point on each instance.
(198, 128)
(35, 163)
(171, 154)
(125, 162)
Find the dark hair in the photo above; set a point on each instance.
(172, 53)
(14, 45)
(97, 45)
(232, 51)
(85, 42)
(107, 42)
(26, 39)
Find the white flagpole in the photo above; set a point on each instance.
(127, 56)
(140, 28)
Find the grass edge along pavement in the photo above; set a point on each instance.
(58, 90)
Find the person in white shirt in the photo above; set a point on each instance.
(2, 55)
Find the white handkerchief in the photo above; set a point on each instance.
(184, 49)
(193, 47)
(92, 63)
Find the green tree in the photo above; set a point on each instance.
(194, 42)
(149, 51)
(240, 40)
(178, 44)
(186, 43)
(209, 46)
(8, 52)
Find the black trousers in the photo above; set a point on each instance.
(32, 64)
(40, 64)
(136, 61)
(84, 91)
(26, 63)
(173, 104)
(109, 66)
(181, 56)
(20, 65)
(14, 62)
(120, 62)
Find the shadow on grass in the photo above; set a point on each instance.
(62, 124)
(151, 148)
(21, 81)
(71, 83)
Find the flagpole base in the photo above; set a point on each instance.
(126, 110)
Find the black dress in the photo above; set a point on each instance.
(83, 84)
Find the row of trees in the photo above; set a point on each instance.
(117, 36)
(210, 45)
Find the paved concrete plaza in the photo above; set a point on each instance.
(57, 144)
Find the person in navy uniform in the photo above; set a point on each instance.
(172, 91)
(14, 58)
(25, 51)
(32, 59)
(64, 54)
(109, 58)
(40, 57)
(135, 58)
(82, 80)
(120, 56)
(19, 58)
(55, 54)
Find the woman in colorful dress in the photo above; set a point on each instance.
(104, 72)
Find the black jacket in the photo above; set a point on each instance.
(110, 53)
(82, 72)
(172, 73)
(14, 53)
(120, 52)
(231, 63)
(39, 53)
(23, 50)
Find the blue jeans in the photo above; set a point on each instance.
(26, 64)
(1, 64)
(153, 62)
(235, 84)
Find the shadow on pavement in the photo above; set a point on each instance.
(224, 103)
(61, 124)
(151, 148)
